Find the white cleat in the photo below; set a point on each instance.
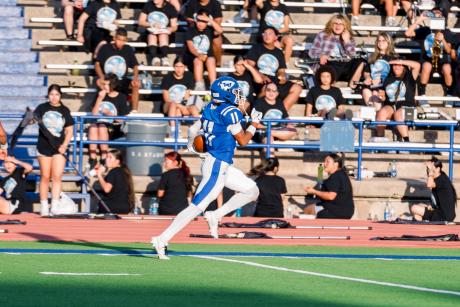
(44, 210)
(213, 223)
(160, 248)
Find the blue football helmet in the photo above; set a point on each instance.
(226, 90)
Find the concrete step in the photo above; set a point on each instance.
(8, 2)
(19, 57)
(19, 68)
(26, 80)
(15, 33)
(19, 104)
(10, 11)
(11, 22)
(15, 45)
(23, 91)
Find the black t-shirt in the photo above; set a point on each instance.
(267, 61)
(118, 105)
(177, 87)
(272, 16)
(51, 133)
(443, 198)
(324, 99)
(173, 182)
(270, 203)
(342, 206)
(202, 41)
(14, 185)
(380, 69)
(98, 11)
(246, 83)
(116, 61)
(193, 7)
(406, 94)
(118, 197)
(425, 37)
(160, 15)
(269, 111)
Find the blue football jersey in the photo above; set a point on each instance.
(215, 120)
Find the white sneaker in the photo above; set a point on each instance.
(165, 62)
(354, 20)
(200, 86)
(156, 61)
(13, 206)
(391, 22)
(55, 208)
(160, 248)
(239, 18)
(44, 210)
(213, 223)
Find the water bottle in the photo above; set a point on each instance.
(386, 212)
(239, 212)
(392, 169)
(137, 210)
(153, 209)
(306, 134)
(319, 178)
(392, 213)
(75, 71)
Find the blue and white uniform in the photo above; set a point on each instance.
(220, 122)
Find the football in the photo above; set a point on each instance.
(199, 143)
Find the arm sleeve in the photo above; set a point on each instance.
(68, 118)
(232, 117)
(163, 182)
(145, 9)
(283, 186)
(350, 47)
(316, 50)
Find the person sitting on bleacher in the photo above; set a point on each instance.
(428, 40)
(247, 77)
(391, 8)
(270, 62)
(377, 69)
(116, 58)
(116, 182)
(275, 14)
(13, 187)
(199, 51)
(109, 102)
(160, 19)
(324, 99)
(214, 12)
(54, 135)
(443, 195)
(398, 92)
(272, 107)
(176, 87)
(96, 22)
(336, 47)
(72, 10)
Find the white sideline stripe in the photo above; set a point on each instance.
(88, 274)
(360, 280)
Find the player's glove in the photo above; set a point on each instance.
(191, 149)
(256, 116)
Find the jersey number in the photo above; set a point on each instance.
(207, 128)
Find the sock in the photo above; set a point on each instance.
(421, 89)
(237, 201)
(153, 50)
(43, 203)
(181, 220)
(164, 51)
(44, 208)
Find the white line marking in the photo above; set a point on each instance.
(88, 274)
(361, 280)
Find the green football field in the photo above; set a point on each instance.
(90, 274)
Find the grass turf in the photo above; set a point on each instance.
(187, 281)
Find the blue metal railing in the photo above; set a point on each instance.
(79, 142)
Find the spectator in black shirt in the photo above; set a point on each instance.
(443, 195)
(247, 76)
(271, 189)
(54, 135)
(109, 102)
(214, 11)
(269, 60)
(96, 22)
(116, 58)
(160, 19)
(117, 184)
(175, 188)
(199, 52)
(14, 186)
(398, 92)
(176, 88)
(428, 38)
(336, 193)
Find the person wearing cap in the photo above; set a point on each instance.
(427, 37)
(443, 195)
(398, 92)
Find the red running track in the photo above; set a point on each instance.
(75, 230)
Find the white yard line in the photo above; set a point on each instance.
(88, 274)
(360, 280)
